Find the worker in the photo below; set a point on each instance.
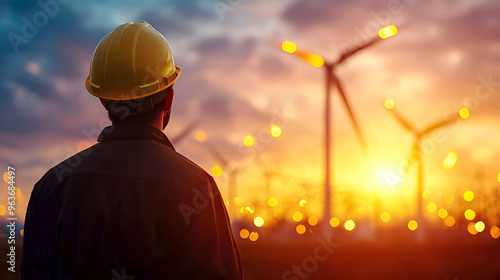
(130, 206)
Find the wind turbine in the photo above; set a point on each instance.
(232, 171)
(331, 78)
(186, 131)
(416, 151)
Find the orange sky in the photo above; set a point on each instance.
(444, 58)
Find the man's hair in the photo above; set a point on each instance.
(142, 118)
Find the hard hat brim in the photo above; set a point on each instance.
(169, 81)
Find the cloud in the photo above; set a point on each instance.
(234, 80)
(306, 14)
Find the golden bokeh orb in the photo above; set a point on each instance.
(385, 217)
(334, 222)
(258, 221)
(349, 225)
(301, 229)
(412, 225)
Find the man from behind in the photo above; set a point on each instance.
(129, 207)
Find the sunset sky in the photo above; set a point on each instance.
(237, 81)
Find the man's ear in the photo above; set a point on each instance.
(169, 99)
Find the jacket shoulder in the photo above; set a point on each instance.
(133, 159)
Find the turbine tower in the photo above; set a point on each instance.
(331, 78)
(416, 152)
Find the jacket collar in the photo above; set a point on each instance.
(133, 132)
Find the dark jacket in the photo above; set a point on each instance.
(129, 207)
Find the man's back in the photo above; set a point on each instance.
(130, 206)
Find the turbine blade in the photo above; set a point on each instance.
(402, 120)
(351, 114)
(349, 53)
(218, 156)
(310, 57)
(437, 125)
(186, 131)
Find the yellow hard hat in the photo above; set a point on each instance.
(131, 62)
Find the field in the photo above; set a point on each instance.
(466, 259)
(401, 261)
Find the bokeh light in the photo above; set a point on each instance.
(258, 221)
(316, 60)
(464, 113)
(480, 226)
(3, 210)
(19, 195)
(412, 225)
(450, 160)
(449, 198)
(297, 216)
(273, 201)
(289, 46)
(200, 136)
(426, 194)
(301, 229)
(217, 171)
(253, 236)
(6, 177)
(349, 225)
(237, 200)
(313, 220)
(385, 217)
(22, 232)
(244, 233)
(471, 227)
(387, 31)
(443, 213)
(302, 202)
(431, 207)
(470, 214)
(249, 141)
(495, 232)
(334, 222)
(449, 221)
(389, 103)
(276, 131)
(468, 196)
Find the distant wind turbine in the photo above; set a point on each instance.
(416, 152)
(232, 172)
(332, 79)
(186, 131)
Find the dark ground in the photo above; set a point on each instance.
(402, 261)
(465, 259)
